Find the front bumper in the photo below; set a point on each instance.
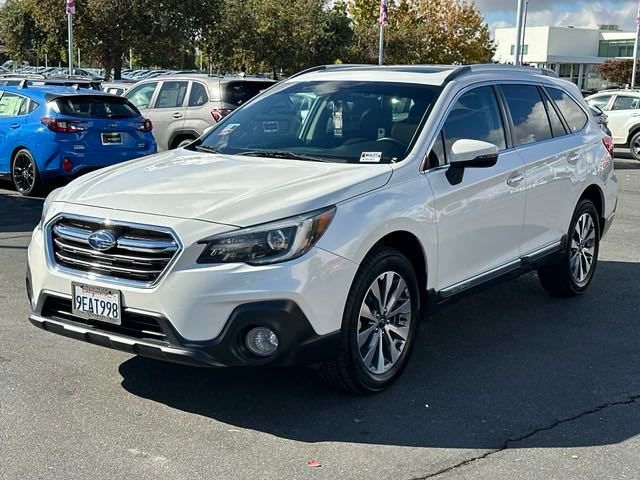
(298, 343)
(205, 310)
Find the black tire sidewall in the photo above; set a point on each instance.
(585, 206)
(633, 153)
(385, 260)
(36, 174)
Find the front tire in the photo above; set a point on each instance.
(634, 146)
(573, 274)
(379, 325)
(24, 173)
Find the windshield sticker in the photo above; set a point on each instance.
(371, 157)
(228, 129)
(270, 127)
(337, 123)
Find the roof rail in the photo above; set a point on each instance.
(24, 83)
(492, 67)
(337, 66)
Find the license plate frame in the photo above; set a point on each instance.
(111, 138)
(100, 304)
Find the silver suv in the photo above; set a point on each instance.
(182, 107)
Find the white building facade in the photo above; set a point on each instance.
(573, 53)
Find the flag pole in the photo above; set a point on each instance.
(635, 50)
(382, 20)
(519, 21)
(71, 10)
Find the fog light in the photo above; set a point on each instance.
(262, 341)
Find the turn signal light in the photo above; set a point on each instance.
(62, 126)
(219, 113)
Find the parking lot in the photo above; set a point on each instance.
(506, 384)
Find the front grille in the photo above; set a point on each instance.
(140, 255)
(134, 325)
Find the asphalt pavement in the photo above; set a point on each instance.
(509, 383)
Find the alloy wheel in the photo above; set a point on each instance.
(384, 322)
(635, 146)
(24, 174)
(582, 250)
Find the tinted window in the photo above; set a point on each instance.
(238, 93)
(335, 121)
(198, 95)
(557, 128)
(625, 103)
(172, 94)
(475, 116)
(528, 113)
(32, 106)
(600, 102)
(10, 104)
(573, 114)
(94, 106)
(141, 96)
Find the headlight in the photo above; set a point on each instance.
(268, 243)
(47, 203)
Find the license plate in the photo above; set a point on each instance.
(112, 138)
(96, 303)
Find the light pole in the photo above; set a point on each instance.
(71, 11)
(519, 30)
(635, 50)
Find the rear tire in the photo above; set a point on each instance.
(379, 325)
(184, 142)
(634, 145)
(24, 173)
(572, 275)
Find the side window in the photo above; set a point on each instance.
(141, 96)
(10, 104)
(574, 115)
(623, 102)
(172, 94)
(557, 128)
(437, 156)
(32, 106)
(475, 116)
(198, 95)
(528, 113)
(600, 102)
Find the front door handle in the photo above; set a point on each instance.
(14, 125)
(573, 158)
(177, 115)
(515, 179)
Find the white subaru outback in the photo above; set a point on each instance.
(319, 222)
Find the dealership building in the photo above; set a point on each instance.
(573, 53)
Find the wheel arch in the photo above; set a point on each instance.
(633, 130)
(411, 247)
(594, 193)
(180, 135)
(14, 151)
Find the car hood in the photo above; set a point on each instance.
(227, 189)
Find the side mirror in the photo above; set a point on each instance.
(468, 153)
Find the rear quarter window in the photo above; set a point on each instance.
(574, 115)
(239, 93)
(95, 107)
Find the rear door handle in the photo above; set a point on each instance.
(14, 125)
(515, 179)
(177, 115)
(573, 158)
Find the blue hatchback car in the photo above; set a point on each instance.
(52, 132)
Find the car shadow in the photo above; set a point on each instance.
(492, 367)
(18, 214)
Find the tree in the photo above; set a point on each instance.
(617, 71)
(422, 31)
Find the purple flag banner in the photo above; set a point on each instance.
(384, 13)
(71, 7)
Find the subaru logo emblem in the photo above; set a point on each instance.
(102, 240)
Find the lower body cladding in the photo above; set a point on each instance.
(206, 315)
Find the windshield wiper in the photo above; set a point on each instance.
(206, 148)
(280, 154)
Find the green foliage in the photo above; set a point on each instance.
(618, 71)
(256, 35)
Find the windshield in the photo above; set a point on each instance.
(347, 122)
(94, 106)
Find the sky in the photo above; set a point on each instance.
(502, 13)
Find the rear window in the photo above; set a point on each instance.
(239, 93)
(95, 107)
